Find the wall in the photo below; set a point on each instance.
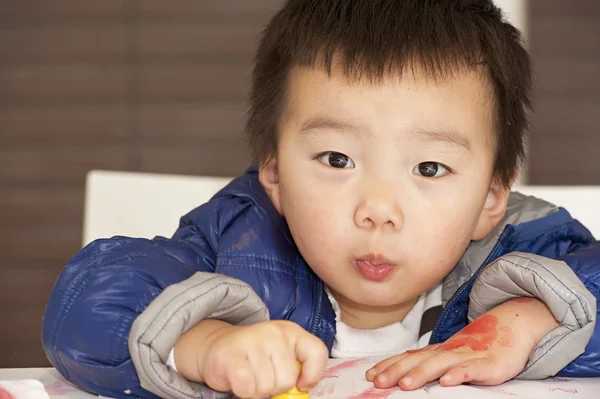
(565, 49)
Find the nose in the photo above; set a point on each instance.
(379, 211)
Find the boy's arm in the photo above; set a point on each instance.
(569, 286)
(120, 304)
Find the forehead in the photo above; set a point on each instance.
(461, 101)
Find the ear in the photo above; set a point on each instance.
(268, 175)
(493, 211)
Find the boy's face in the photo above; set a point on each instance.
(384, 184)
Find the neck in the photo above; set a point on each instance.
(367, 317)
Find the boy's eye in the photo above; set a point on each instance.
(431, 169)
(336, 160)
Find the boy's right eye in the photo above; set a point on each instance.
(336, 160)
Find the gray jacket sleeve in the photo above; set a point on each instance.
(552, 281)
(177, 309)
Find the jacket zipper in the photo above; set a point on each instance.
(435, 334)
(318, 310)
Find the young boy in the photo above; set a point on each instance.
(387, 135)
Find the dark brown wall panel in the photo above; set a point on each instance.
(565, 134)
(209, 9)
(213, 158)
(59, 165)
(73, 83)
(68, 124)
(35, 44)
(194, 122)
(189, 40)
(22, 207)
(185, 82)
(31, 11)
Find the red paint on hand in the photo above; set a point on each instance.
(478, 335)
(506, 340)
(4, 394)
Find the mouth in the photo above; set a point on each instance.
(374, 267)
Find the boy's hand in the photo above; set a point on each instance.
(489, 351)
(253, 361)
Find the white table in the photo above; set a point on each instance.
(56, 386)
(345, 379)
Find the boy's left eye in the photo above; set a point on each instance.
(431, 169)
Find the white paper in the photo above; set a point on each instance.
(345, 379)
(23, 389)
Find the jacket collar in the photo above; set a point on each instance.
(520, 210)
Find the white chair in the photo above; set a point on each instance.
(582, 202)
(141, 204)
(146, 205)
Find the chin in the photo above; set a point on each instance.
(378, 299)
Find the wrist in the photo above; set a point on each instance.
(192, 346)
(531, 318)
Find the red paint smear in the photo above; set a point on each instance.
(4, 394)
(523, 299)
(506, 340)
(59, 388)
(322, 390)
(476, 344)
(500, 390)
(563, 390)
(478, 335)
(374, 393)
(331, 371)
(483, 325)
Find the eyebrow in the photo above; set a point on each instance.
(325, 122)
(446, 136)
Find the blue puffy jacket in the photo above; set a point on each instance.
(110, 282)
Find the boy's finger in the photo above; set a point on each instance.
(218, 375)
(284, 366)
(312, 353)
(390, 375)
(431, 369)
(241, 378)
(480, 371)
(382, 365)
(264, 375)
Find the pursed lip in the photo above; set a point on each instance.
(374, 268)
(375, 260)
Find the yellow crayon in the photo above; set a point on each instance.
(293, 393)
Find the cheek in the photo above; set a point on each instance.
(316, 223)
(443, 242)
